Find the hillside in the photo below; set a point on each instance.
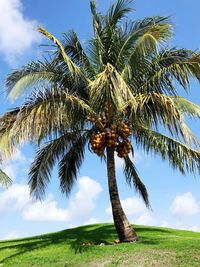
(93, 246)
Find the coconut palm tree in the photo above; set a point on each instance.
(119, 89)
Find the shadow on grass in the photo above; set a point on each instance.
(75, 238)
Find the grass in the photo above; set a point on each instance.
(157, 247)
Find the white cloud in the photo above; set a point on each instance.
(17, 33)
(17, 166)
(45, 211)
(184, 205)
(91, 221)
(195, 228)
(131, 206)
(14, 235)
(146, 219)
(11, 235)
(164, 224)
(80, 207)
(15, 198)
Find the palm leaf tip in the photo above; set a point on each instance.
(187, 107)
(5, 179)
(72, 67)
(119, 10)
(133, 179)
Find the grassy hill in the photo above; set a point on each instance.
(94, 245)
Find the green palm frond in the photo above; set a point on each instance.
(74, 49)
(105, 44)
(96, 47)
(162, 109)
(72, 67)
(186, 107)
(134, 180)
(28, 81)
(169, 66)
(33, 74)
(149, 41)
(118, 11)
(180, 156)
(45, 159)
(70, 164)
(134, 31)
(5, 181)
(97, 18)
(142, 43)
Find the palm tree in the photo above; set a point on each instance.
(120, 88)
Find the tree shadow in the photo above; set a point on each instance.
(80, 239)
(76, 238)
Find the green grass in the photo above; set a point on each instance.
(157, 247)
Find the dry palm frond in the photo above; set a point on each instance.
(109, 87)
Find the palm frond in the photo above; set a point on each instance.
(70, 164)
(45, 113)
(7, 143)
(5, 179)
(159, 108)
(169, 66)
(50, 111)
(148, 42)
(74, 49)
(45, 159)
(134, 180)
(105, 44)
(97, 22)
(141, 39)
(118, 11)
(180, 156)
(109, 87)
(33, 74)
(96, 48)
(186, 107)
(73, 68)
(136, 30)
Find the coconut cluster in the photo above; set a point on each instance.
(114, 136)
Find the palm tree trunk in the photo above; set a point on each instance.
(122, 225)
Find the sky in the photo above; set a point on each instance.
(174, 198)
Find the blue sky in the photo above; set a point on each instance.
(175, 199)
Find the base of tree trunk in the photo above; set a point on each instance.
(132, 239)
